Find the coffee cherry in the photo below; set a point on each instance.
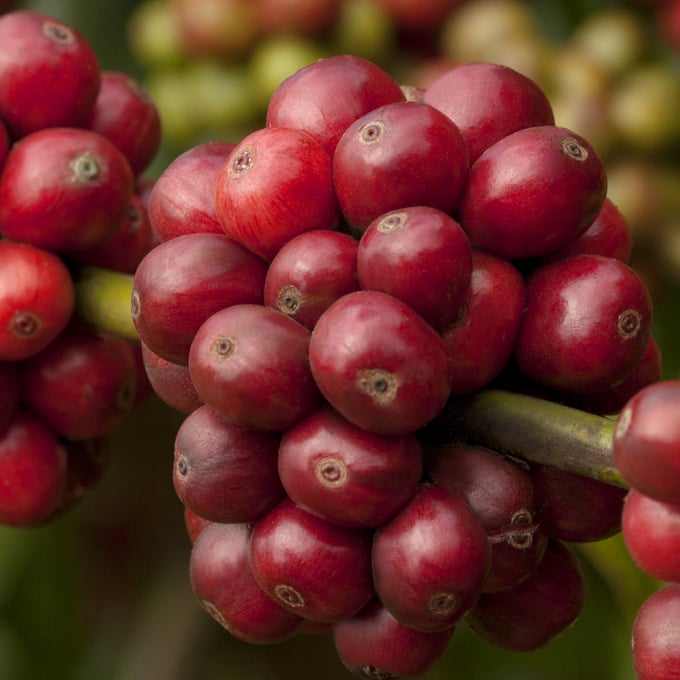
(37, 299)
(299, 17)
(656, 636)
(225, 473)
(223, 583)
(421, 256)
(586, 324)
(310, 272)
(317, 570)
(194, 524)
(249, 363)
(646, 444)
(64, 189)
(488, 102)
(183, 281)
(539, 609)
(83, 385)
(380, 364)
(532, 178)
(345, 474)
(373, 644)
(49, 73)
(275, 184)
(32, 471)
(430, 560)
(10, 382)
(401, 154)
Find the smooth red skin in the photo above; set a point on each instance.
(434, 546)
(488, 102)
(651, 532)
(36, 282)
(382, 473)
(223, 583)
(125, 113)
(656, 636)
(266, 382)
(501, 494)
(608, 235)
(300, 17)
(419, 159)
(183, 281)
(417, 17)
(646, 442)
(223, 472)
(327, 96)
(321, 265)
(570, 338)
(10, 389)
(372, 643)
(44, 202)
(83, 385)
(526, 197)
(575, 508)
(194, 524)
(539, 609)
(5, 143)
(44, 83)
(328, 565)
(368, 330)
(480, 342)
(124, 249)
(182, 199)
(170, 382)
(32, 471)
(426, 262)
(287, 190)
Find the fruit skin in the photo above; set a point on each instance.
(651, 531)
(275, 184)
(586, 324)
(656, 636)
(399, 155)
(64, 189)
(646, 442)
(325, 97)
(250, 363)
(10, 389)
(317, 570)
(430, 560)
(32, 471)
(223, 583)
(379, 364)
(345, 474)
(299, 17)
(373, 644)
(182, 281)
(532, 192)
(488, 102)
(421, 256)
(225, 473)
(49, 74)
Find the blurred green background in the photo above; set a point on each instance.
(103, 593)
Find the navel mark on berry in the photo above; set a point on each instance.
(442, 604)
(572, 148)
(135, 304)
(288, 300)
(289, 596)
(213, 611)
(243, 160)
(629, 323)
(25, 324)
(182, 466)
(85, 167)
(392, 222)
(224, 347)
(380, 385)
(125, 396)
(134, 217)
(58, 33)
(330, 471)
(372, 132)
(372, 673)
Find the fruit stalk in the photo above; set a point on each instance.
(103, 301)
(535, 430)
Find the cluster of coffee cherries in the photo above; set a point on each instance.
(74, 139)
(321, 293)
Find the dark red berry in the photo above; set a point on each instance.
(194, 524)
(10, 390)
(300, 17)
